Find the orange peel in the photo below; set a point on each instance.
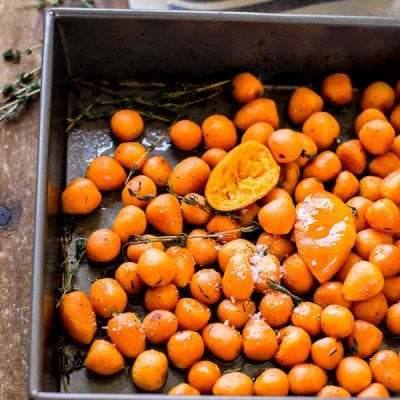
(246, 174)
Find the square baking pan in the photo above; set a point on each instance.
(285, 50)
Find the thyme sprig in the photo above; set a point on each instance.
(244, 221)
(87, 4)
(17, 97)
(133, 84)
(100, 86)
(183, 237)
(192, 90)
(149, 149)
(41, 4)
(70, 265)
(276, 286)
(13, 89)
(107, 87)
(166, 105)
(76, 120)
(190, 199)
(89, 115)
(24, 89)
(68, 364)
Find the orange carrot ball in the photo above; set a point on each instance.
(126, 125)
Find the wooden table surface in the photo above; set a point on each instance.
(21, 27)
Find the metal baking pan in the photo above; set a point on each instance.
(284, 50)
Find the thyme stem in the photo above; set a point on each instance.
(79, 117)
(101, 87)
(148, 150)
(70, 268)
(120, 101)
(136, 84)
(216, 85)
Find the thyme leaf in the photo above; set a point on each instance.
(7, 89)
(19, 93)
(12, 55)
(190, 199)
(354, 210)
(146, 197)
(87, 4)
(40, 4)
(15, 55)
(333, 351)
(307, 155)
(353, 349)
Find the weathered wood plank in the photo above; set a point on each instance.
(20, 27)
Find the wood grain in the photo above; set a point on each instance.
(20, 27)
(17, 182)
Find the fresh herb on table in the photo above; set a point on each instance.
(41, 4)
(21, 92)
(26, 88)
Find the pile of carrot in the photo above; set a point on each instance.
(288, 248)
